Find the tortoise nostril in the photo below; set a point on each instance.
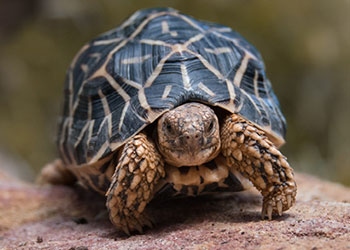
(191, 136)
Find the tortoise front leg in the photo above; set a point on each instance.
(248, 149)
(133, 184)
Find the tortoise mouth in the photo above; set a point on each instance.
(179, 157)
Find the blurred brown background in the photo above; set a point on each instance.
(305, 44)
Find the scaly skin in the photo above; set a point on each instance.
(248, 150)
(189, 135)
(56, 173)
(133, 184)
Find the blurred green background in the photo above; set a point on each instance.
(305, 44)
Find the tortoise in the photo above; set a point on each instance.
(166, 105)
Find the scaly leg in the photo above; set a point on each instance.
(248, 149)
(133, 184)
(56, 173)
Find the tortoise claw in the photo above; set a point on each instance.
(138, 227)
(125, 229)
(263, 212)
(279, 207)
(289, 200)
(269, 212)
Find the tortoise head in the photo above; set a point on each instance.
(189, 135)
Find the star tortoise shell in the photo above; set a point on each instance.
(156, 60)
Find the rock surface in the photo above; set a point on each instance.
(59, 217)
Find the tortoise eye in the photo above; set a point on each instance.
(210, 127)
(169, 128)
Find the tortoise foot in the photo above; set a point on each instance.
(248, 150)
(277, 201)
(133, 184)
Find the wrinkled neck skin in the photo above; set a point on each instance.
(189, 135)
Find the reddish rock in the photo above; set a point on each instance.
(59, 217)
